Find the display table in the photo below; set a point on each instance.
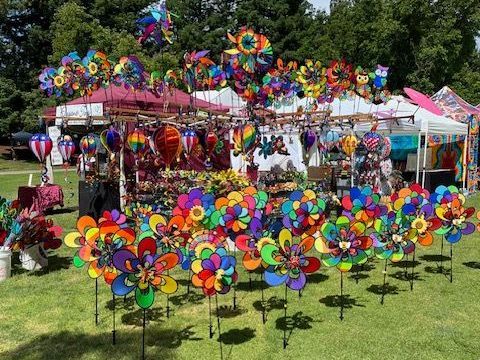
(40, 198)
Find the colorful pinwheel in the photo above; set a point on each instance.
(144, 273)
(214, 271)
(168, 234)
(363, 205)
(453, 215)
(394, 237)
(158, 25)
(303, 212)
(253, 50)
(234, 212)
(344, 243)
(313, 79)
(130, 72)
(287, 262)
(196, 208)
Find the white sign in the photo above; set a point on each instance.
(55, 156)
(79, 111)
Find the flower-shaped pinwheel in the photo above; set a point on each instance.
(253, 50)
(303, 212)
(115, 216)
(339, 77)
(287, 262)
(144, 273)
(214, 271)
(140, 213)
(394, 237)
(196, 208)
(451, 212)
(344, 243)
(97, 245)
(312, 78)
(130, 72)
(168, 234)
(363, 205)
(98, 68)
(234, 212)
(195, 69)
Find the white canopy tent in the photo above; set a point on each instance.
(400, 117)
(225, 97)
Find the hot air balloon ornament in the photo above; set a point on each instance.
(372, 140)
(308, 139)
(168, 144)
(41, 146)
(189, 141)
(66, 148)
(211, 140)
(349, 144)
(88, 147)
(137, 141)
(111, 141)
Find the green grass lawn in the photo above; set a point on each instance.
(6, 164)
(50, 314)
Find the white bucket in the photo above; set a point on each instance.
(5, 264)
(33, 258)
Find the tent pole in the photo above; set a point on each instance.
(417, 177)
(123, 180)
(425, 158)
(466, 144)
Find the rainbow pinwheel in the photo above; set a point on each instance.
(234, 212)
(339, 78)
(196, 208)
(287, 262)
(97, 245)
(141, 213)
(453, 215)
(344, 243)
(196, 69)
(158, 25)
(312, 77)
(98, 70)
(303, 212)
(144, 273)
(214, 271)
(394, 237)
(254, 51)
(363, 205)
(414, 203)
(130, 72)
(114, 216)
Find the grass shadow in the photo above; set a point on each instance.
(187, 298)
(434, 258)
(387, 289)
(135, 318)
(227, 311)
(271, 304)
(336, 301)
(317, 278)
(297, 321)
(254, 284)
(170, 338)
(237, 336)
(400, 275)
(405, 264)
(63, 210)
(472, 264)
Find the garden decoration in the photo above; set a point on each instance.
(66, 148)
(88, 147)
(168, 237)
(363, 204)
(137, 142)
(130, 73)
(196, 208)
(189, 142)
(393, 238)
(144, 271)
(288, 264)
(303, 212)
(167, 142)
(343, 244)
(413, 202)
(449, 208)
(308, 139)
(41, 146)
(211, 140)
(214, 272)
(157, 25)
(245, 140)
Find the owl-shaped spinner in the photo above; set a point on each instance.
(379, 76)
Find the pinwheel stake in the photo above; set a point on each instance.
(384, 281)
(285, 317)
(168, 300)
(218, 327)
(406, 269)
(188, 282)
(264, 315)
(250, 280)
(113, 331)
(441, 255)
(451, 262)
(341, 295)
(96, 301)
(143, 334)
(210, 317)
(413, 271)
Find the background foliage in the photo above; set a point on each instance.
(426, 43)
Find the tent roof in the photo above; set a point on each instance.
(225, 97)
(120, 97)
(398, 106)
(21, 136)
(453, 105)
